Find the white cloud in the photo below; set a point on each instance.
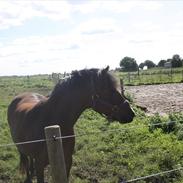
(119, 6)
(37, 44)
(86, 7)
(116, 6)
(55, 10)
(76, 51)
(99, 36)
(28, 55)
(56, 53)
(97, 26)
(146, 26)
(150, 5)
(15, 13)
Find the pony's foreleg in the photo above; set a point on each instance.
(29, 178)
(68, 146)
(24, 166)
(39, 170)
(32, 167)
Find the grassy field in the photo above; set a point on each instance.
(106, 152)
(152, 76)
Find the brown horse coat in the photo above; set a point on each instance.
(30, 113)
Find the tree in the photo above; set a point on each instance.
(128, 64)
(149, 64)
(176, 61)
(141, 65)
(161, 63)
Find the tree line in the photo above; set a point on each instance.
(130, 64)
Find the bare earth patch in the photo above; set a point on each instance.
(162, 99)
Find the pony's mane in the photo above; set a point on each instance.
(78, 79)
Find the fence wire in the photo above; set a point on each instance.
(94, 133)
(85, 134)
(152, 175)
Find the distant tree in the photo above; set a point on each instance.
(149, 64)
(141, 65)
(128, 64)
(161, 63)
(176, 61)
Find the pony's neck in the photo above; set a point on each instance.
(64, 109)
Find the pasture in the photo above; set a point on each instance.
(105, 152)
(152, 76)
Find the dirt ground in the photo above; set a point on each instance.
(162, 99)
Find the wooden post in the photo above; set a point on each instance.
(56, 154)
(129, 77)
(122, 86)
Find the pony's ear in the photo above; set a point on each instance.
(105, 70)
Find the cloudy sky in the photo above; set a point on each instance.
(44, 36)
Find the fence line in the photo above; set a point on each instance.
(22, 143)
(165, 75)
(90, 133)
(114, 130)
(152, 175)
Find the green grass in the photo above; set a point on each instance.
(109, 156)
(9, 88)
(152, 76)
(106, 153)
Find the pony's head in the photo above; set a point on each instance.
(107, 98)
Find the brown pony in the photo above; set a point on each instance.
(30, 113)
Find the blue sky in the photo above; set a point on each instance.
(38, 37)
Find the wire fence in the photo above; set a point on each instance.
(159, 76)
(90, 133)
(106, 131)
(152, 175)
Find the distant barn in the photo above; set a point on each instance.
(168, 64)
